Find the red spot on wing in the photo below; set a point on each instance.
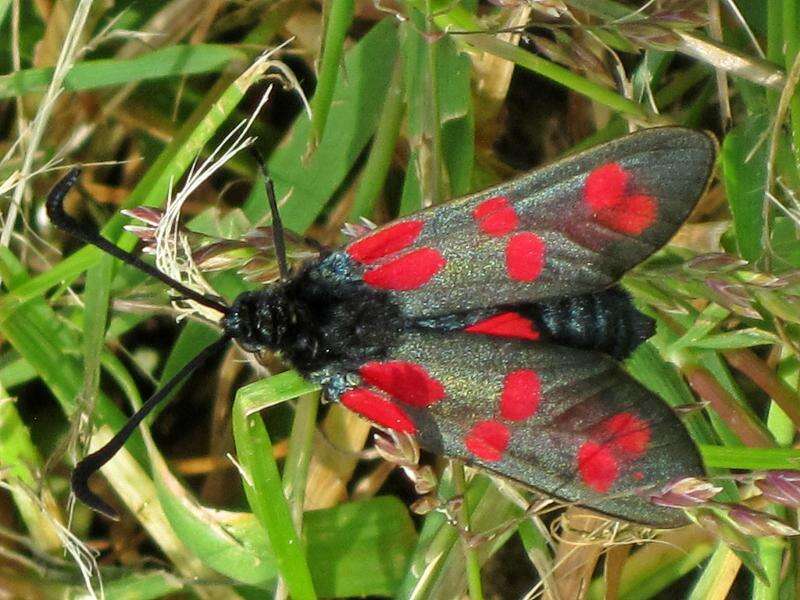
(387, 241)
(521, 395)
(488, 440)
(632, 216)
(496, 216)
(507, 324)
(525, 253)
(405, 381)
(606, 193)
(618, 439)
(408, 271)
(627, 433)
(606, 185)
(597, 465)
(378, 409)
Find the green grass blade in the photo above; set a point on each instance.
(264, 490)
(35, 334)
(21, 462)
(744, 154)
(306, 185)
(142, 586)
(757, 459)
(151, 190)
(373, 175)
(173, 61)
(212, 535)
(457, 18)
(340, 17)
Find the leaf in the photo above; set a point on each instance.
(174, 61)
(354, 549)
(210, 534)
(360, 548)
(784, 240)
(305, 186)
(744, 169)
(742, 338)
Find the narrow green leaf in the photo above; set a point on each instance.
(708, 320)
(37, 334)
(759, 459)
(741, 338)
(708, 582)
(458, 123)
(449, 16)
(340, 17)
(647, 366)
(211, 535)
(784, 241)
(264, 490)
(142, 585)
(4, 6)
(306, 185)
(173, 61)
(21, 463)
(192, 338)
(373, 175)
(744, 154)
(151, 190)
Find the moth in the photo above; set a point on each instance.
(491, 328)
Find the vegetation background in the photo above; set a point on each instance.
(412, 102)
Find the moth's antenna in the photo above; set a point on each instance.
(277, 225)
(55, 210)
(94, 461)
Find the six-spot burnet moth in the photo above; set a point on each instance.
(489, 328)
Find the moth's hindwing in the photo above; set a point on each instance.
(570, 228)
(570, 423)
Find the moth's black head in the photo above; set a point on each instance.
(318, 317)
(258, 320)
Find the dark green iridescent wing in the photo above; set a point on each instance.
(570, 228)
(566, 422)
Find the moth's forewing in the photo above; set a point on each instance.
(570, 228)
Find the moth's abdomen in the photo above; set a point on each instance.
(606, 321)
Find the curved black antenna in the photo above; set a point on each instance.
(277, 224)
(94, 461)
(55, 210)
